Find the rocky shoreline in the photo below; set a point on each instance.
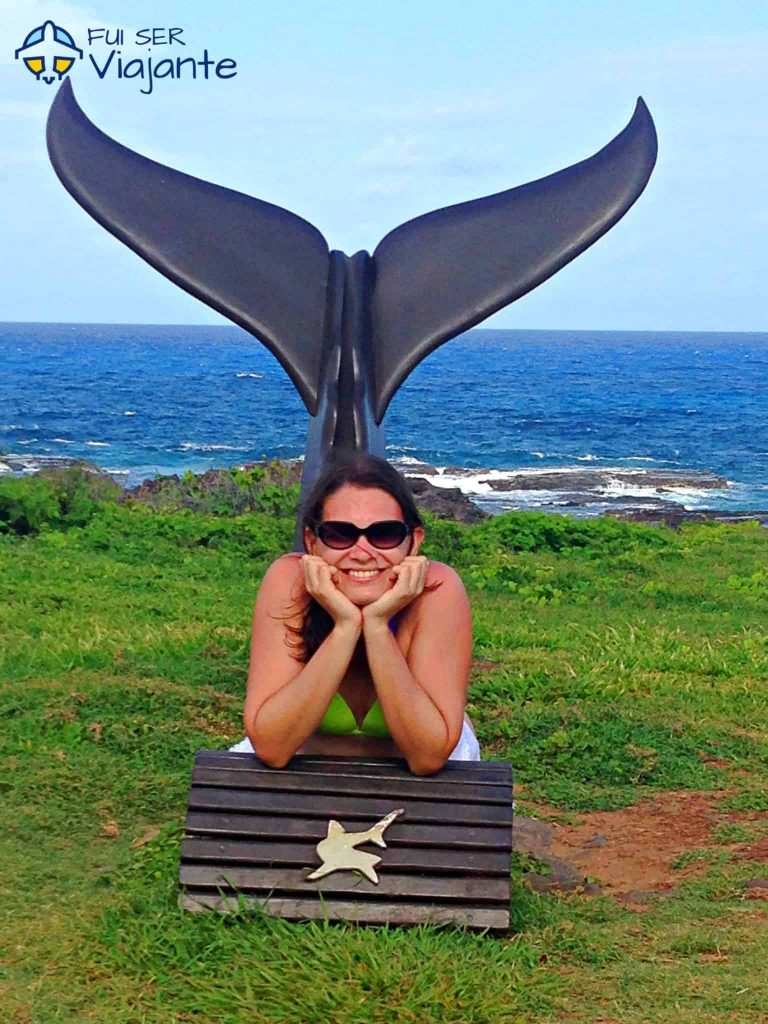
(574, 488)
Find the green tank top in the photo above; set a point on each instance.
(338, 720)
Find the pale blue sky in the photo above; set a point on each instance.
(358, 116)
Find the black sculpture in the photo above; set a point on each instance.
(347, 329)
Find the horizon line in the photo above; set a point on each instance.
(471, 330)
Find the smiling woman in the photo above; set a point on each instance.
(360, 646)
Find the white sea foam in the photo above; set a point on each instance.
(30, 441)
(588, 458)
(99, 444)
(408, 460)
(623, 489)
(193, 446)
(646, 458)
(584, 490)
(129, 412)
(256, 376)
(61, 440)
(539, 455)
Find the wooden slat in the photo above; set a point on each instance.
(349, 785)
(475, 772)
(328, 806)
(479, 918)
(390, 884)
(285, 853)
(257, 826)
(252, 833)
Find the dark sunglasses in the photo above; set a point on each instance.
(389, 533)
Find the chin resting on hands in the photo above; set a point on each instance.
(409, 576)
(320, 583)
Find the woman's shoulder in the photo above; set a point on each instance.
(444, 588)
(282, 575)
(290, 563)
(443, 601)
(281, 595)
(441, 575)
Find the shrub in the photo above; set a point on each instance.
(270, 488)
(540, 532)
(54, 499)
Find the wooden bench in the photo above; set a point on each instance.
(252, 835)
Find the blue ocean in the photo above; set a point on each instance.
(577, 422)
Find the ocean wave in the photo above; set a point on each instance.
(645, 458)
(579, 483)
(623, 489)
(61, 440)
(408, 460)
(256, 376)
(98, 444)
(129, 412)
(193, 446)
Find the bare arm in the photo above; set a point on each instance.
(286, 700)
(423, 698)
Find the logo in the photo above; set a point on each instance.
(49, 52)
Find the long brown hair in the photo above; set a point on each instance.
(360, 470)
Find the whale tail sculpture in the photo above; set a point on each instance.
(347, 330)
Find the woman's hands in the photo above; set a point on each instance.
(409, 578)
(320, 580)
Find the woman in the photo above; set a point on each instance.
(361, 646)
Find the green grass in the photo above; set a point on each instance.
(617, 661)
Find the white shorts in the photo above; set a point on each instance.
(467, 749)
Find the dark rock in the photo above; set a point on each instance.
(419, 469)
(284, 473)
(537, 882)
(445, 502)
(531, 837)
(675, 517)
(589, 480)
(596, 841)
(561, 872)
(22, 465)
(638, 896)
(562, 877)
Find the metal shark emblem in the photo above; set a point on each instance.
(347, 329)
(337, 851)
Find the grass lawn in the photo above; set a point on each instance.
(615, 664)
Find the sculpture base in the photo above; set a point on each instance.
(252, 834)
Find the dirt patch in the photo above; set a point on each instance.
(479, 665)
(632, 852)
(635, 848)
(755, 851)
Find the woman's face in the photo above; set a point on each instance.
(363, 570)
